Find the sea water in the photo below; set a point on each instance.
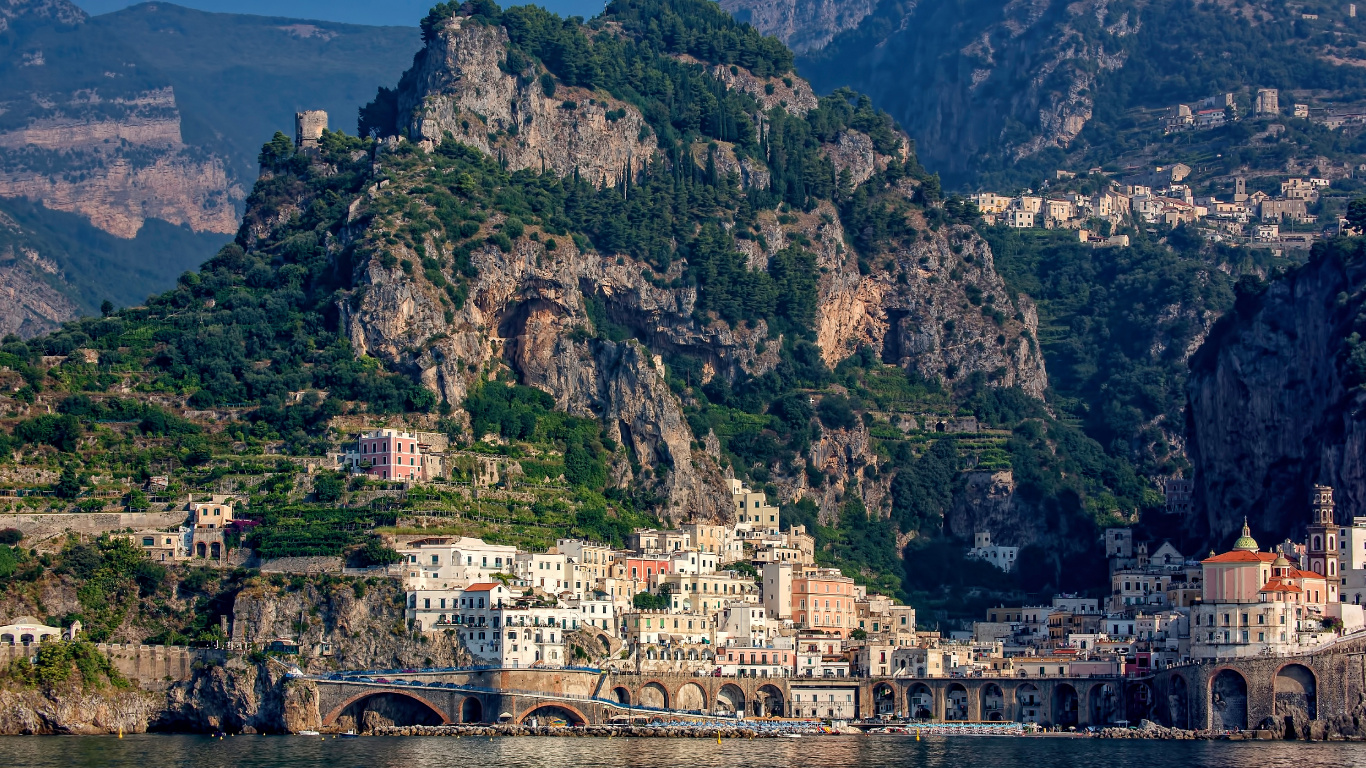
(871, 751)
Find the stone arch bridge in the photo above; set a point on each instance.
(1310, 696)
(592, 696)
(1295, 697)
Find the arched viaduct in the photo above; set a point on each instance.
(1307, 696)
(1295, 697)
(514, 695)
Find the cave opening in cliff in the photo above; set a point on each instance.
(891, 341)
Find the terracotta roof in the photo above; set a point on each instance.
(1241, 556)
(1277, 585)
(483, 587)
(1296, 573)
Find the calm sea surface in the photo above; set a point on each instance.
(854, 752)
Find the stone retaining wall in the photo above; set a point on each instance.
(41, 527)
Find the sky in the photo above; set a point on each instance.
(385, 12)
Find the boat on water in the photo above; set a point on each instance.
(350, 735)
(308, 733)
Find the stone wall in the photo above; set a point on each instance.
(150, 666)
(302, 565)
(41, 527)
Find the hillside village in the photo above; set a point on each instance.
(1258, 207)
(749, 599)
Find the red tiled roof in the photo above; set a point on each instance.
(1296, 573)
(483, 587)
(1277, 585)
(1241, 556)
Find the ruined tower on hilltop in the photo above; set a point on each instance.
(308, 127)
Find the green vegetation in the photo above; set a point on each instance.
(56, 662)
(1115, 325)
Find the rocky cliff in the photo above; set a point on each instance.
(804, 25)
(460, 85)
(29, 304)
(1011, 79)
(1276, 400)
(338, 623)
(110, 151)
(528, 303)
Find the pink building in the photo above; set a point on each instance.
(646, 569)
(391, 455)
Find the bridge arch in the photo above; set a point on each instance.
(690, 698)
(1065, 705)
(993, 703)
(730, 699)
(561, 710)
(395, 707)
(1102, 703)
(1227, 700)
(1296, 699)
(653, 694)
(1030, 703)
(472, 710)
(921, 702)
(622, 694)
(769, 701)
(956, 702)
(1139, 701)
(884, 700)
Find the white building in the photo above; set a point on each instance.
(708, 593)
(545, 571)
(744, 624)
(444, 563)
(999, 556)
(595, 558)
(824, 703)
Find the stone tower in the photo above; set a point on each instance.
(309, 127)
(1321, 549)
(1268, 102)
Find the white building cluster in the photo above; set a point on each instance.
(739, 599)
(1163, 195)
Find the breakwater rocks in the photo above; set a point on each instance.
(1147, 729)
(617, 731)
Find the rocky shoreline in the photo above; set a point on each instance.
(1147, 729)
(607, 731)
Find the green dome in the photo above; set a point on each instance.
(1245, 542)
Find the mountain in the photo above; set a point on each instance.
(1003, 93)
(154, 114)
(643, 263)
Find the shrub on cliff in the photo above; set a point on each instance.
(56, 662)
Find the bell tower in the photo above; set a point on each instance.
(1322, 546)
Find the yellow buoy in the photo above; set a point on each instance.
(120, 731)
(917, 734)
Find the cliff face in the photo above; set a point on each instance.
(803, 25)
(1011, 79)
(29, 304)
(76, 711)
(1276, 403)
(118, 162)
(363, 628)
(459, 85)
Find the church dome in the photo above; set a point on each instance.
(1245, 542)
(1281, 561)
